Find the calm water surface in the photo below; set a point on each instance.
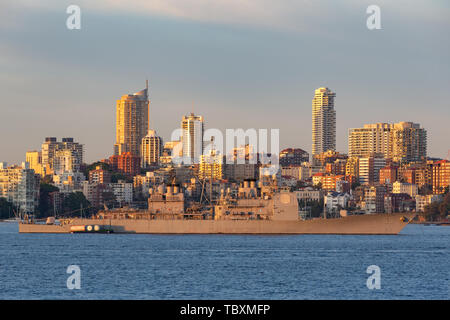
(414, 265)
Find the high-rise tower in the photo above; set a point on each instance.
(151, 150)
(131, 122)
(192, 137)
(323, 121)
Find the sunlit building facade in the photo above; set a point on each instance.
(323, 121)
(131, 122)
(151, 149)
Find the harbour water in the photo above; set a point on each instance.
(414, 265)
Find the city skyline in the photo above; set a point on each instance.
(147, 118)
(256, 69)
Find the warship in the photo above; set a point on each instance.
(252, 211)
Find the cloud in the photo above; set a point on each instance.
(293, 15)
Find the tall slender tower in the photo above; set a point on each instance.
(131, 122)
(323, 121)
(192, 127)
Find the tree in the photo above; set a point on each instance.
(426, 189)
(109, 198)
(94, 165)
(431, 211)
(355, 185)
(48, 179)
(6, 209)
(313, 206)
(74, 202)
(444, 206)
(45, 207)
(116, 176)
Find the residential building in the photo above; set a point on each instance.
(34, 159)
(408, 188)
(407, 174)
(335, 201)
(126, 163)
(398, 202)
(318, 178)
(369, 169)
(57, 153)
(293, 171)
(373, 199)
(293, 157)
(422, 201)
(97, 193)
(123, 191)
(402, 142)
(329, 181)
(330, 156)
(132, 118)
(323, 121)
(69, 181)
(99, 175)
(388, 174)
(242, 154)
(171, 149)
(192, 127)
(212, 166)
(151, 149)
(241, 171)
(352, 167)
(309, 194)
(66, 160)
(441, 176)
(20, 186)
(338, 167)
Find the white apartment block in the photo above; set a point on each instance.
(20, 185)
(422, 201)
(410, 189)
(123, 191)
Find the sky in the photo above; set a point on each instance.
(239, 63)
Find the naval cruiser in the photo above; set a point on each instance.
(254, 210)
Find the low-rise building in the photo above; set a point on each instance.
(123, 191)
(422, 201)
(309, 194)
(398, 202)
(69, 181)
(335, 201)
(99, 175)
(373, 199)
(402, 187)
